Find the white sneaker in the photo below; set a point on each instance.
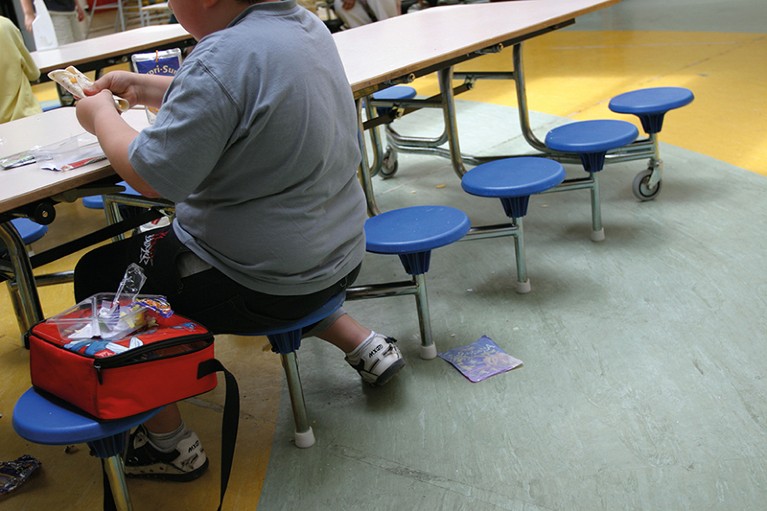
(377, 359)
(186, 462)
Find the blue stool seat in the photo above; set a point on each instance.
(28, 230)
(513, 180)
(386, 161)
(591, 137)
(97, 201)
(651, 104)
(41, 420)
(412, 233)
(591, 140)
(286, 340)
(395, 93)
(51, 104)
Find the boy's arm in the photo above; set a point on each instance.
(98, 115)
(138, 89)
(155, 88)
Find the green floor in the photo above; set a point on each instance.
(644, 358)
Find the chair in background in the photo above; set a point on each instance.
(113, 204)
(153, 13)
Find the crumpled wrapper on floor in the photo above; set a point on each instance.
(15, 473)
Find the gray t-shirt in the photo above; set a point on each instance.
(256, 142)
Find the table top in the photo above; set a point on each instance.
(91, 54)
(396, 47)
(27, 184)
(372, 55)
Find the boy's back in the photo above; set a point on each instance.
(258, 132)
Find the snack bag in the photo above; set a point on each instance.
(74, 82)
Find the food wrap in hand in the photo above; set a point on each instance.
(75, 82)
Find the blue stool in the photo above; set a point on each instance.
(40, 420)
(28, 230)
(650, 106)
(286, 340)
(97, 201)
(512, 180)
(391, 95)
(51, 104)
(412, 233)
(591, 140)
(111, 203)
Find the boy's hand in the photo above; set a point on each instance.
(120, 83)
(88, 109)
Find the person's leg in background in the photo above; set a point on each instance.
(352, 12)
(384, 9)
(68, 30)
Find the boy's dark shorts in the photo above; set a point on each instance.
(206, 296)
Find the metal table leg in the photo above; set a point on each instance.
(29, 311)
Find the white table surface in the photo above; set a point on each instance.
(395, 47)
(23, 185)
(115, 45)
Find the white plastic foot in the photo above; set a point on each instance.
(598, 235)
(305, 439)
(523, 287)
(429, 352)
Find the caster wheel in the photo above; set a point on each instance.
(390, 164)
(641, 186)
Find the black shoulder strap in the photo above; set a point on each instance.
(229, 426)
(229, 422)
(109, 500)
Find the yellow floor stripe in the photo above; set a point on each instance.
(575, 73)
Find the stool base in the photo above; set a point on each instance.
(598, 235)
(305, 439)
(429, 352)
(523, 287)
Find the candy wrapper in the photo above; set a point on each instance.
(15, 473)
(159, 304)
(480, 360)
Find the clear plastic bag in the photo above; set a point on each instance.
(70, 153)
